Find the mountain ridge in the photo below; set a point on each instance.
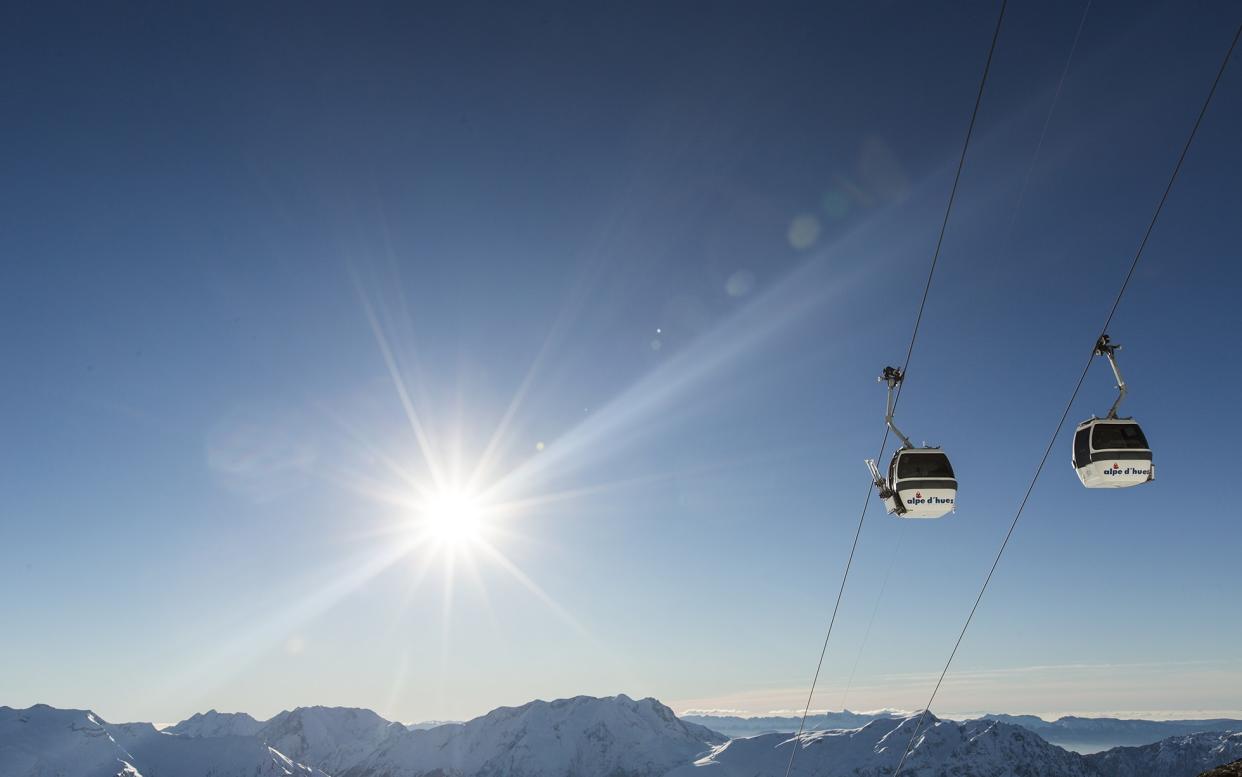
(43, 741)
(581, 736)
(616, 736)
(1072, 732)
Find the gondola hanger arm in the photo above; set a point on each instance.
(1104, 347)
(893, 377)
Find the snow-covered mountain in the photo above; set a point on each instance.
(973, 749)
(1093, 734)
(168, 755)
(429, 724)
(586, 736)
(331, 738)
(1182, 756)
(737, 726)
(1084, 735)
(578, 737)
(46, 742)
(216, 724)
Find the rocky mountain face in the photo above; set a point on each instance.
(1228, 770)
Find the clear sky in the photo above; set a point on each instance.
(274, 278)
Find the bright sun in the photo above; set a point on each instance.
(453, 519)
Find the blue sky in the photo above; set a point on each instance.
(646, 262)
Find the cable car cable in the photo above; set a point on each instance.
(1074, 395)
(895, 377)
(832, 621)
(875, 610)
(957, 177)
(1056, 97)
(961, 163)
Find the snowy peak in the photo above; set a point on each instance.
(170, 755)
(577, 737)
(976, 748)
(1182, 756)
(973, 749)
(216, 724)
(615, 736)
(646, 713)
(331, 738)
(1093, 734)
(45, 742)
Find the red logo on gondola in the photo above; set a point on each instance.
(918, 494)
(1116, 465)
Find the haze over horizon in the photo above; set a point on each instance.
(435, 359)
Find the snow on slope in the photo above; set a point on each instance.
(972, 749)
(169, 755)
(331, 738)
(1183, 756)
(46, 742)
(429, 724)
(1084, 735)
(579, 737)
(216, 724)
(586, 736)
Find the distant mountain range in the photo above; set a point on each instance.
(46, 742)
(1074, 733)
(1092, 734)
(578, 737)
(737, 726)
(975, 748)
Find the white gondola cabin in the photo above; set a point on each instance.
(1112, 452)
(920, 482)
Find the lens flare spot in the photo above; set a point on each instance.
(740, 283)
(804, 231)
(836, 204)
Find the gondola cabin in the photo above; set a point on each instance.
(921, 484)
(1112, 453)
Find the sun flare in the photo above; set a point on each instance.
(453, 519)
